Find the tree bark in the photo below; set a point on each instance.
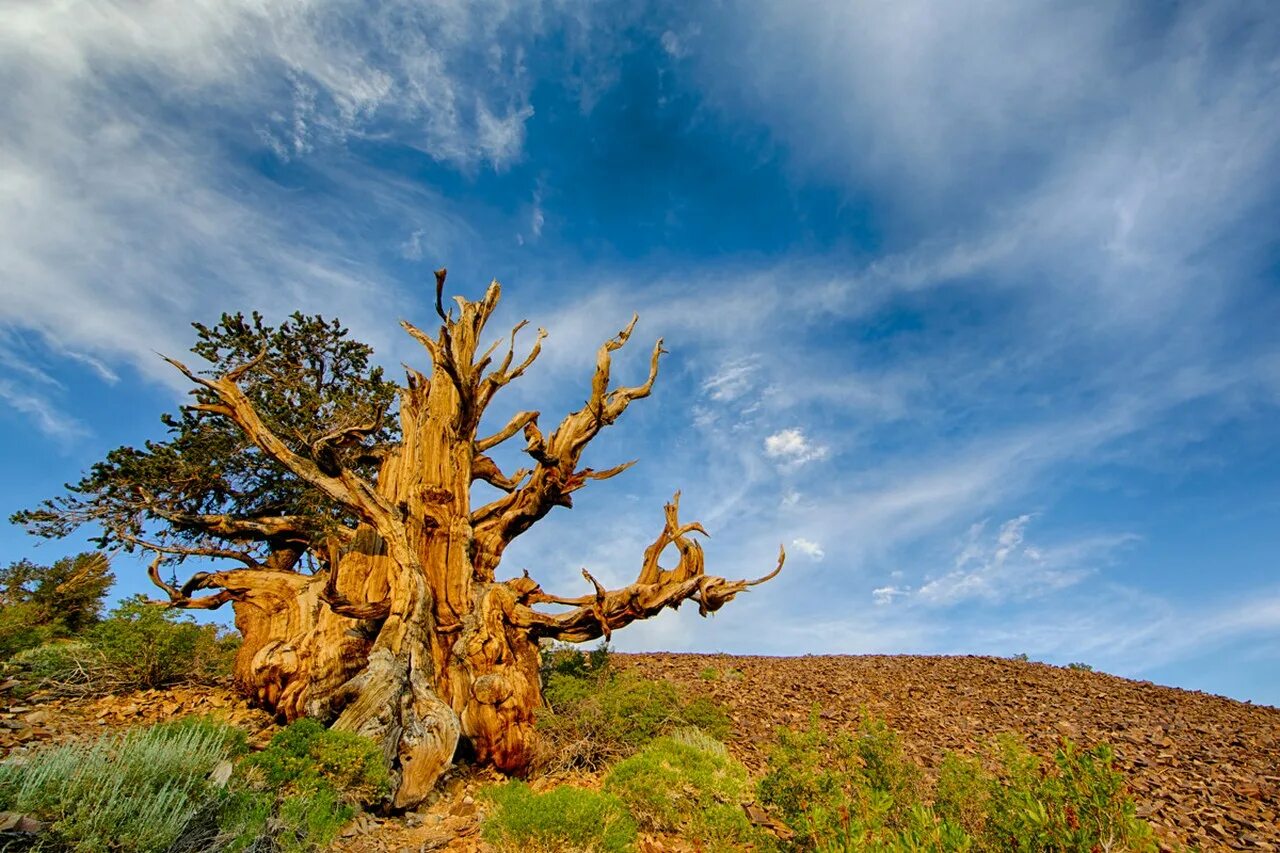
(407, 636)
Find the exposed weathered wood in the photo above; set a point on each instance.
(403, 633)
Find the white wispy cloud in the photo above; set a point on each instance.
(883, 595)
(733, 379)
(994, 568)
(792, 448)
(46, 416)
(119, 224)
(812, 550)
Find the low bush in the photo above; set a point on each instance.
(22, 627)
(155, 789)
(832, 790)
(562, 819)
(145, 646)
(1077, 801)
(687, 783)
(140, 646)
(594, 720)
(858, 792)
(136, 792)
(301, 789)
(564, 659)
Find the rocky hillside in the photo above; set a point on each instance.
(1204, 770)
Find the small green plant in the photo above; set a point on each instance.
(567, 660)
(1081, 667)
(139, 646)
(856, 792)
(710, 674)
(1022, 657)
(562, 819)
(136, 792)
(687, 783)
(836, 790)
(590, 722)
(1075, 802)
(302, 788)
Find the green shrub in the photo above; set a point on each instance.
(711, 673)
(60, 667)
(140, 646)
(563, 659)
(42, 603)
(22, 627)
(144, 646)
(1080, 667)
(857, 792)
(136, 792)
(963, 794)
(302, 788)
(687, 783)
(1076, 802)
(150, 790)
(562, 819)
(845, 790)
(590, 722)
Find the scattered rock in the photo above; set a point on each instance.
(1202, 768)
(1205, 764)
(13, 822)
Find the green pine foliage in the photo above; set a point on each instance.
(305, 377)
(43, 603)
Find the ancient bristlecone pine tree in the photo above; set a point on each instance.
(400, 629)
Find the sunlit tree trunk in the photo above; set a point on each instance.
(408, 636)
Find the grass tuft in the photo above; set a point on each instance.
(562, 819)
(687, 783)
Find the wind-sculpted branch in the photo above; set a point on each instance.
(341, 485)
(556, 475)
(603, 611)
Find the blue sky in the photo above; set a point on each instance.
(971, 305)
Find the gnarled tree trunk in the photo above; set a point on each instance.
(407, 636)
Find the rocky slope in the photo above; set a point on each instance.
(1204, 770)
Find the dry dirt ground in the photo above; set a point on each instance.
(1204, 770)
